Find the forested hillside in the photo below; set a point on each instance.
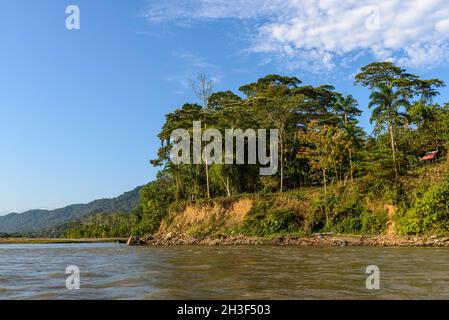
(53, 222)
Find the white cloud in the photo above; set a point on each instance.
(191, 65)
(194, 61)
(314, 34)
(189, 10)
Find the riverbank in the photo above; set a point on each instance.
(319, 240)
(57, 240)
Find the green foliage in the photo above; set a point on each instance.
(429, 213)
(374, 222)
(322, 208)
(265, 220)
(156, 198)
(409, 223)
(342, 212)
(348, 219)
(102, 226)
(349, 225)
(376, 187)
(329, 150)
(52, 223)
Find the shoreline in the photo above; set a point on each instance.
(317, 240)
(58, 240)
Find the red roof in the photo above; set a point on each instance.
(429, 156)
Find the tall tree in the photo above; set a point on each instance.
(273, 96)
(387, 103)
(383, 73)
(346, 107)
(181, 118)
(232, 113)
(203, 89)
(322, 146)
(388, 74)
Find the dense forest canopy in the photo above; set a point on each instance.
(320, 141)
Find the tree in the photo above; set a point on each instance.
(409, 90)
(281, 102)
(386, 73)
(383, 73)
(232, 113)
(203, 88)
(387, 102)
(273, 96)
(346, 107)
(323, 147)
(181, 118)
(155, 199)
(223, 99)
(432, 129)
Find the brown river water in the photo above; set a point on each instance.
(115, 271)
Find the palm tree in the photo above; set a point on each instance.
(347, 108)
(387, 103)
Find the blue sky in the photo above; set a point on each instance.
(80, 109)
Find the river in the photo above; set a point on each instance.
(115, 271)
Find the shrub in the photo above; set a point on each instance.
(155, 199)
(344, 213)
(429, 213)
(379, 188)
(408, 222)
(322, 209)
(278, 221)
(349, 225)
(347, 219)
(263, 220)
(374, 222)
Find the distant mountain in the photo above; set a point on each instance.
(51, 222)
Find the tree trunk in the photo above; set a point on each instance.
(207, 181)
(179, 193)
(207, 174)
(340, 172)
(281, 133)
(324, 181)
(228, 189)
(335, 172)
(393, 149)
(197, 188)
(351, 169)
